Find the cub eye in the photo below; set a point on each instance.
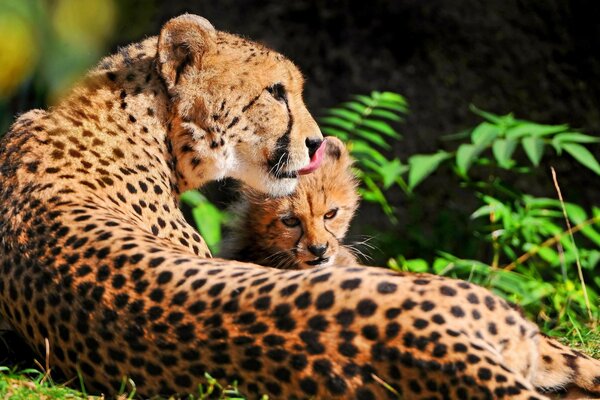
(331, 214)
(278, 92)
(290, 221)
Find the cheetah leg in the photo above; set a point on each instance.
(561, 367)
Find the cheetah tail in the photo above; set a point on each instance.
(560, 367)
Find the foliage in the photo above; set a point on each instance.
(33, 384)
(366, 124)
(536, 261)
(209, 218)
(501, 136)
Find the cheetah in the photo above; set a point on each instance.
(303, 230)
(98, 263)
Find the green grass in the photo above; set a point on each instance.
(32, 384)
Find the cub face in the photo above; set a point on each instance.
(237, 109)
(305, 229)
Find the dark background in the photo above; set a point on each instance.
(538, 59)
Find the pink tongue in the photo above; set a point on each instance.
(315, 161)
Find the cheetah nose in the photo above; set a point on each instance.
(318, 249)
(313, 145)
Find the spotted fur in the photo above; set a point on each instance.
(96, 258)
(302, 230)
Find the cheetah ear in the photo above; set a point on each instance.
(336, 151)
(183, 41)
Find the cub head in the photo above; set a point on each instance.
(236, 109)
(305, 229)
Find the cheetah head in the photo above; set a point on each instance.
(237, 109)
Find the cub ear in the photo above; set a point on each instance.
(336, 150)
(182, 42)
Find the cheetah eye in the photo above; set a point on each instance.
(290, 221)
(278, 92)
(331, 213)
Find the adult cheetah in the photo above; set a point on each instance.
(97, 259)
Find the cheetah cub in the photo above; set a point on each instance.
(303, 230)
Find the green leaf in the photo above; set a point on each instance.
(366, 100)
(386, 114)
(534, 148)
(571, 137)
(423, 165)
(465, 155)
(338, 122)
(503, 150)
(390, 171)
(529, 129)
(381, 126)
(355, 106)
(335, 132)
(349, 116)
(390, 105)
(575, 213)
(575, 137)
(493, 118)
(192, 198)
(582, 155)
(416, 265)
(441, 264)
(393, 97)
(484, 134)
(359, 148)
(208, 219)
(372, 137)
(541, 202)
(482, 211)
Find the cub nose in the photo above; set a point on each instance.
(313, 144)
(318, 249)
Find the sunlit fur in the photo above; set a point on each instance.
(260, 235)
(225, 121)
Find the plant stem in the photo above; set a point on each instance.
(550, 242)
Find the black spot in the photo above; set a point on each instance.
(322, 366)
(345, 317)
(164, 277)
(325, 300)
(303, 300)
(386, 287)
(447, 291)
(490, 303)
(318, 323)
(216, 289)
(347, 349)
(366, 307)
(420, 323)
(457, 311)
(408, 304)
(370, 332)
(484, 374)
(392, 313)
(309, 386)
(351, 284)
(439, 350)
(311, 339)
